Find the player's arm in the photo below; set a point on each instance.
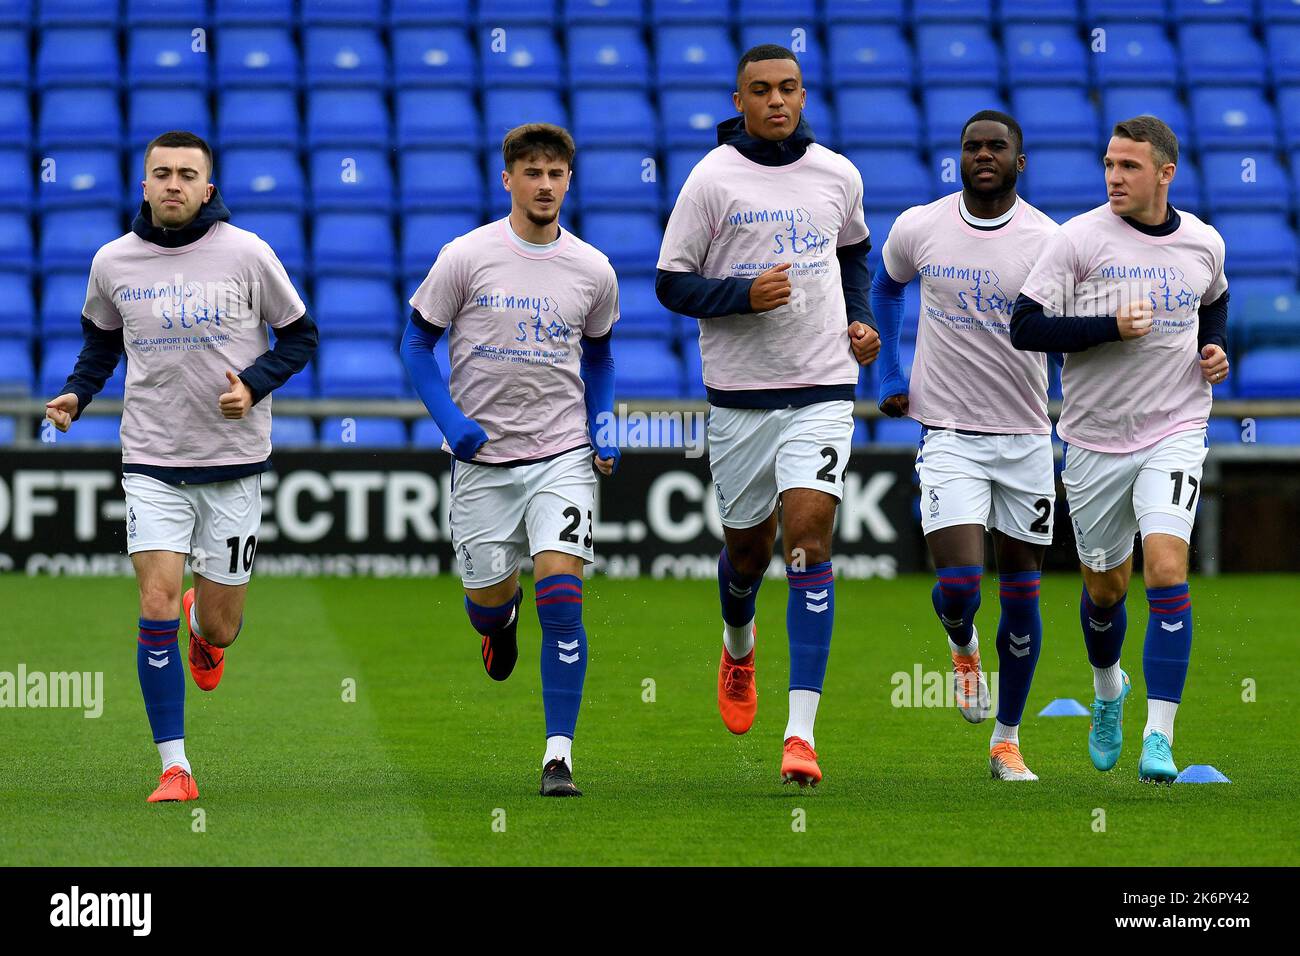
(101, 350)
(688, 293)
(855, 280)
(597, 370)
(887, 304)
(295, 346)
(1033, 330)
(1212, 339)
(463, 434)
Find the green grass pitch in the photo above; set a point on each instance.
(432, 753)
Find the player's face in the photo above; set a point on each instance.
(537, 185)
(176, 184)
(1133, 177)
(990, 164)
(772, 97)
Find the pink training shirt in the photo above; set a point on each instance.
(966, 374)
(188, 315)
(739, 218)
(517, 318)
(1122, 396)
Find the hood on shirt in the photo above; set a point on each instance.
(214, 210)
(766, 152)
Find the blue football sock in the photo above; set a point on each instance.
(564, 651)
(956, 598)
(162, 678)
(1020, 639)
(738, 593)
(809, 615)
(1103, 630)
(1168, 646)
(490, 621)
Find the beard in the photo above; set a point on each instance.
(1001, 188)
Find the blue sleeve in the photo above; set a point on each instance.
(887, 304)
(1033, 330)
(597, 370)
(1212, 327)
(100, 351)
(295, 344)
(464, 435)
(689, 294)
(855, 279)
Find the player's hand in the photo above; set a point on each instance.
(865, 342)
(607, 466)
(771, 289)
(235, 403)
(470, 438)
(1214, 364)
(896, 406)
(1134, 320)
(61, 410)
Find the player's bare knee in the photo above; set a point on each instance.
(222, 634)
(1106, 591)
(159, 602)
(1165, 571)
(809, 549)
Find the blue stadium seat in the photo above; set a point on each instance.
(277, 13)
(1260, 319)
(956, 55)
(256, 57)
(690, 116)
(16, 241)
(793, 12)
(1223, 431)
(614, 118)
(615, 179)
(948, 108)
(84, 13)
(1268, 373)
(821, 116)
(630, 239)
(1220, 53)
(952, 11)
(1148, 10)
(648, 368)
(262, 179)
(16, 117)
(604, 57)
(894, 179)
(76, 57)
(441, 179)
(423, 236)
(347, 118)
(1278, 431)
(165, 57)
(879, 222)
(341, 12)
(156, 13)
(152, 111)
(511, 13)
(292, 431)
(8, 430)
(1237, 118)
(1259, 244)
(1055, 116)
(59, 357)
(363, 432)
(17, 305)
(17, 375)
(689, 346)
(864, 11)
(344, 56)
(530, 58)
(430, 117)
(403, 13)
(861, 429)
(15, 63)
(1039, 11)
(1195, 11)
(81, 177)
(63, 294)
(92, 431)
(79, 117)
(355, 242)
(1187, 190)
(1125, 102)
(1044, 53)
(604, 12)
(505, 109)
(1137, 54)
(875, 55)
(357, 306)
(1279, 11)
(1284, 53)
(1238, 183)
(15, 179)
(1288, 109)
(640, 312)
(689, 11)
(1065, 177)
(433, 57)
(283, 232)
(360, 368)
(679, 163)
(897, 431)
(258, 117)
(425, 434)
(16, 13)
(812, 58)
(695, 56)
(351, 179)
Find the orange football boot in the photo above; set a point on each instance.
(174, 786)
(207, 663)
(799, 763)
(737, 693)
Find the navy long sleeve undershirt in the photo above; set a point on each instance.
(295, 344)
(1033, 330)
(100, 352)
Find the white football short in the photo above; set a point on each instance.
(1113, 496)
(1000, 482)
(756, 454)
(216, 524)
(499, 513)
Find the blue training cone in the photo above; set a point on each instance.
(1064, 707)
(1201, 773)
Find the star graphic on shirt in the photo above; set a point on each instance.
(995, 302)
(1185, 298)
(557, 330)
